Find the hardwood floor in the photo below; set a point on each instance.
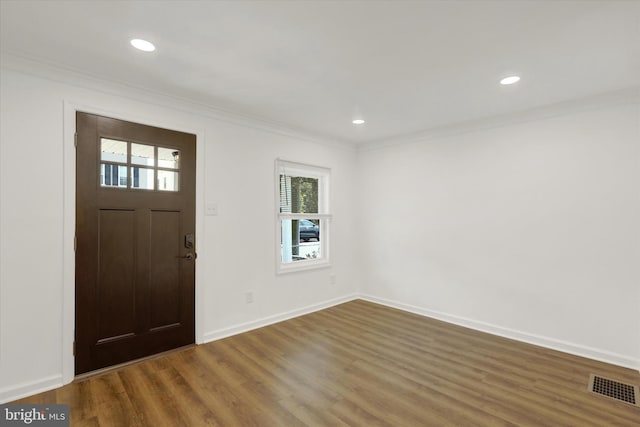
(356, 364)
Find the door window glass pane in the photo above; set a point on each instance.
(143, 155)
(113, 175)
(168, 158)
(167, 181)
(142, 178)
(143, 162)
(113, 150)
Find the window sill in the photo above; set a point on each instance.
(302, 266)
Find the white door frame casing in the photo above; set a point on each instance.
(69, 221)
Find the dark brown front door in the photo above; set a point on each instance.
(135, 253)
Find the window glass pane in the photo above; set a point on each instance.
(142, 178)
(298, 194)
(300, 240)
(113, 150)
(168, 181)
(113, 175)
(143, 155)
(168, 158)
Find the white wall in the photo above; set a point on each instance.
(236, 249)
(529, 230)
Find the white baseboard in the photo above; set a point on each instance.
(19, 391)
(551, 343)
(266, 321)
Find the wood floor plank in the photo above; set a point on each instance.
(222, 392)
(355, 364)
(188, 404)
(110, 402)
(80, 399)
(151, 402)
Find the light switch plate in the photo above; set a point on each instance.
(211, 209)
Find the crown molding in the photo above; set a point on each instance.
(627, 96)
(63, 74)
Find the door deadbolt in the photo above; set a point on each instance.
(188, 241)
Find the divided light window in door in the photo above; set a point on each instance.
(126, 164)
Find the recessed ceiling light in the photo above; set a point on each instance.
(143, 45)
(357, 121)
(510, 80)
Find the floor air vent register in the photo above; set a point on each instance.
(613, 389)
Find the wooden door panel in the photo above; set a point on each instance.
(164, 269)
(116, 315)
(135, 291)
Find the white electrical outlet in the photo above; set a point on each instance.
(248, 297)
(333, 279)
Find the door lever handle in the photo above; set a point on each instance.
(188, 256)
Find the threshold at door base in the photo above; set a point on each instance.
(98, 372)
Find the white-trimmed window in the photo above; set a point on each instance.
(302, 216)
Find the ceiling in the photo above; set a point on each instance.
(312, 66)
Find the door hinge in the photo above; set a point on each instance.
(74, 348)
(75, 139)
